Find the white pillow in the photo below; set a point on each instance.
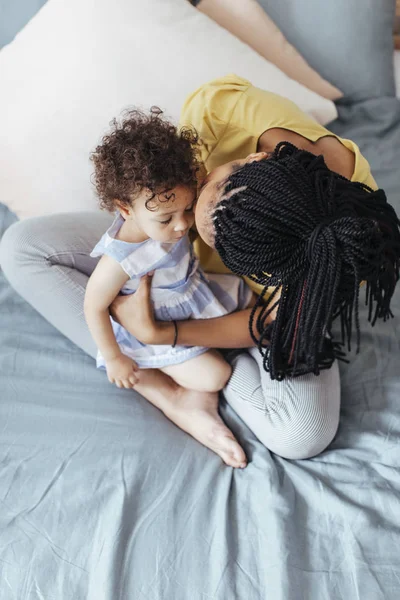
(79, 63)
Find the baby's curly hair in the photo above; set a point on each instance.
(143, 151)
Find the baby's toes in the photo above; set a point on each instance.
(133, 380)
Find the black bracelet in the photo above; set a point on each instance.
(176, 334)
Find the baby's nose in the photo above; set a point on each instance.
(182, 225)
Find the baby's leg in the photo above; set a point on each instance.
(208, 372)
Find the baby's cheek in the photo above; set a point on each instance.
(157, 233)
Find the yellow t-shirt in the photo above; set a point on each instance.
(230, 114)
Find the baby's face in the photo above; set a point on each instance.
(165, 217)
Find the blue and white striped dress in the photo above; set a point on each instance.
(180, 290)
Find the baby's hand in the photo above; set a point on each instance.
(123, 371)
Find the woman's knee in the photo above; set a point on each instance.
(301, 444)
(65, 239)
(305, 431)
(295, 418)
(303, 421)
(14, 249)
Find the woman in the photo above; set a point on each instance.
(240, 127)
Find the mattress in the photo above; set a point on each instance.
(102, 498)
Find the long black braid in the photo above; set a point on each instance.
(298, 226)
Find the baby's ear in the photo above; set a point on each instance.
(122, 207)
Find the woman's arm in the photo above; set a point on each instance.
(135, 313)
(103, 286)
(229, 331)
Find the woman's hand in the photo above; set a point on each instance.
(135, 313)
(123, 371)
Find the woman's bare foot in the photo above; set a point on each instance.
(194, 412)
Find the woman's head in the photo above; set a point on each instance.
(147, 169)
(289, 221)
(212, 190)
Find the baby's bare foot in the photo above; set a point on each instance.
(197, 414)
(194, 412)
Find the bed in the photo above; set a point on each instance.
(102, 498)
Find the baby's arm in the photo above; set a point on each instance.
(103, 286)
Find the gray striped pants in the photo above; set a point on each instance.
(46, 259)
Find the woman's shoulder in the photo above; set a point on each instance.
(362, 170)
(218, 98)
(212, 92)
(228, 88)
(230, 114)
(209, 109)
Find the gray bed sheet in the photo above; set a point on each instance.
(102, 498)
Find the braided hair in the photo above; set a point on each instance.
(315, 236)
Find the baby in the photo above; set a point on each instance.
(146, 171)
